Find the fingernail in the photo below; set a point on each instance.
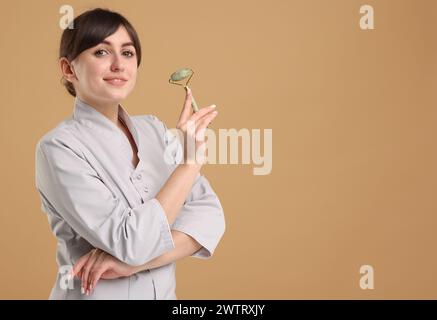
(82, 290)
(213, 106)
(188, 90)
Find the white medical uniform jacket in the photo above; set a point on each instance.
(95, 198)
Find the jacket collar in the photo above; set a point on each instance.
(90, 117)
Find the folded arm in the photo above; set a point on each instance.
(97, 264)
(185, 246)
(70, 187)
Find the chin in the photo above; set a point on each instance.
(116, 96)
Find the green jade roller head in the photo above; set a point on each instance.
(179, 77)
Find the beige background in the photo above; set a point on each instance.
(353, 115)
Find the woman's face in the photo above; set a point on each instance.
(106, 73)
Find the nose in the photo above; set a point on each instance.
(117, 63)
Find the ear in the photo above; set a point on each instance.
(67, 69)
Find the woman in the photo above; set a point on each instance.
(122, 215)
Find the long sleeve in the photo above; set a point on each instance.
(70, 186)
(202, 218)
(202, 215)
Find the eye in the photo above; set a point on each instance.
(99, 53)
(128, 53)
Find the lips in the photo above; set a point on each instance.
(115, 78)
(116, 81)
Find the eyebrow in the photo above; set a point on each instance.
(126, 44)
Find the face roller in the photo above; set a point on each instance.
(182, 77)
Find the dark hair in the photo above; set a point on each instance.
(89, 29)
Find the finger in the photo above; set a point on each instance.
(96, 259)
(197, 116)
(77, 268)
(87, 268)
(187, 111)
(202, 112)
(201, 130)
(104, 266)
(98, 265)
(205, 121)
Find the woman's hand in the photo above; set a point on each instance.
(98, 264)
(193, 126)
